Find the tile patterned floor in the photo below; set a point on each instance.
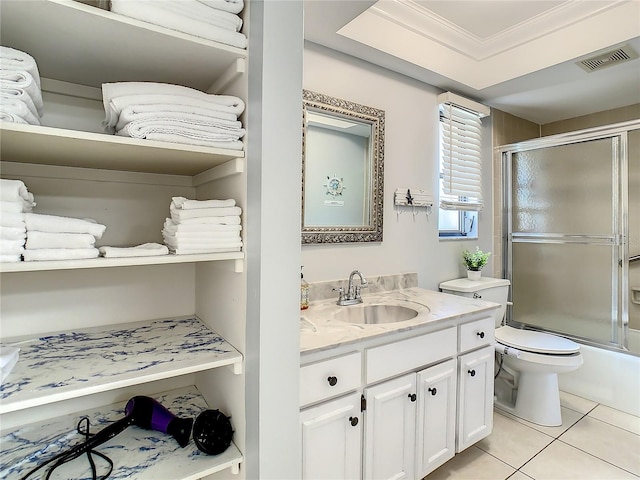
(594, 442)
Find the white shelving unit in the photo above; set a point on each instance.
(79, 46)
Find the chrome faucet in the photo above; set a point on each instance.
(352, 295)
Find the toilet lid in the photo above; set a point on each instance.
(536, 342)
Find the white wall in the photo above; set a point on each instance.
(410, 243)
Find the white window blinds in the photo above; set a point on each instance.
(461, 161)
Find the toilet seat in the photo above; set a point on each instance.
(535, 342)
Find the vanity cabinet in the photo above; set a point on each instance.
(420, 403)
(147, 311)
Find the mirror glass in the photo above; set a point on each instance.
(342, 171)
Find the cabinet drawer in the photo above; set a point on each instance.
(476, 334)
(329, 378)
(399, 357)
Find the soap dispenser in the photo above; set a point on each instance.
(304, 292)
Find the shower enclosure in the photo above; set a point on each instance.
(571, 234)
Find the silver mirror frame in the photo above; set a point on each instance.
(375, 117)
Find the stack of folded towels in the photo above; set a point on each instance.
(215, 20)
(20, 93)
(15, 201)
(203, 226)
(50, 237)
(173, 113)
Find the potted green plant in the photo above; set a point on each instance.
(475, 261)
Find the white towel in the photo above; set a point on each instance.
(151, 11)
(183, 203)
(53, 223)
(201, 243)
(11, 247)
(192, 250)
(11, 80)
(18, 206)
(185, 238)
(12, 118)
(232, 6)
(144, 250)
(215, 130)
(10, 258)
(17, 108)
(37, 239)
(172, 227)
(133, 113)
(181, 135)
(206, 221)
(179, 215)
(18, 94)
(60, 254)
(12, 59)
(202, 13)
(8, 359)
(13, 190)
(13, 233)
(10, 219)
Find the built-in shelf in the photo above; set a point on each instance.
(136, 452)
(106, 47)
(35, 144)
(73, 364)
(236, 257)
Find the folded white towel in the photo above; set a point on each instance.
(202, 13)
(232, 6)
(8, 359)
(19, 94)
(10, 219)
(216, 131)
(60, 254)
(173, 227)
(37, 239)
(13, 233)
(181, 135)
(183, 203)
(184, 239)
(12, 59)
(166, 112)
(206, 221)
(12, 118)
(192, 251)
(144, 250)
(18, 206)
(179, 215)
(10, 258)
(204, 243)
(17, 108)
(53, 223)
(11, 247)
(13, 190)
(151, 11)
(19, 80)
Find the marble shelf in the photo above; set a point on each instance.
(73, 364)
(136, 452)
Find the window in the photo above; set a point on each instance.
(460, 165)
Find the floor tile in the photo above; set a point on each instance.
(617, 418)
(513, 442)
(578, 404)
(569, 418)
(612, 444)
(472, 464)
(519, 476)
(560, 461)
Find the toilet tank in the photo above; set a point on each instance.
(490, 289)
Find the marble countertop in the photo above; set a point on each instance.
(320, 330)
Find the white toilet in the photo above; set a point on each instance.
(533, 359)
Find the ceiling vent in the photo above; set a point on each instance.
(607, 59)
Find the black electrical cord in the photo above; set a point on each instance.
(75, 452)
(501, 359)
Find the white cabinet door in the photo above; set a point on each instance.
(390, 427)
(475, 405)
(436, 435)
(332, 439)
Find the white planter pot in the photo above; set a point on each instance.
(474, 274)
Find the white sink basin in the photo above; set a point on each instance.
(375, 314)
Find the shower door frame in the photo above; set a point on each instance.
(618, 239)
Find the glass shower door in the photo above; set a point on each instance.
(564, 232)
